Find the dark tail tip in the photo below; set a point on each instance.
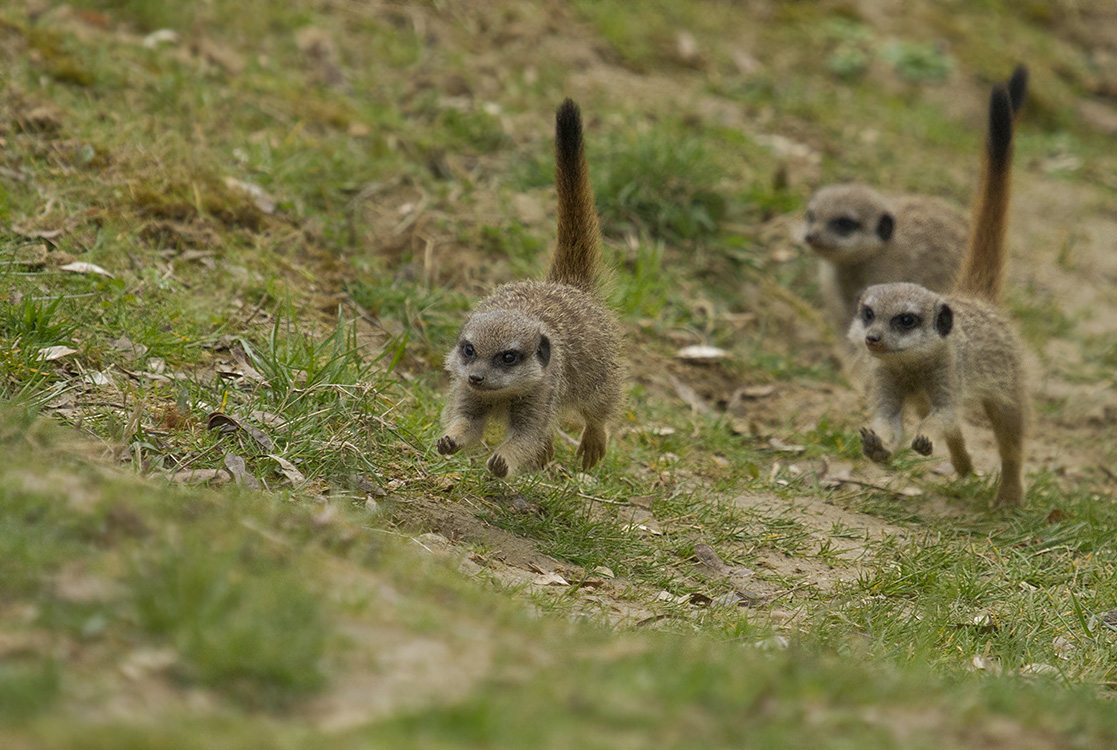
(1000, 126)
(1018, 88)
(568, 132)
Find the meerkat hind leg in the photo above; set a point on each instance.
(1008, 429)
(592, 446)
(959, 456)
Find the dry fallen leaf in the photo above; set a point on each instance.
(227, 424)
(690, 396)
(51, 353)
(699, 353)
(259, 196)
(130, 349)
(162, 36)
(235, 465)
(197, 476)
(80, 266)
(779, 446)
(294, 476)
(1039, 670)
(550, 579)
(641, 520)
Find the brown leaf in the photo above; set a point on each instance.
(228, 424)
(294, 476)
(641, 520)
(1057, 515)
(130, 349)
(235, 465)
(708, 557)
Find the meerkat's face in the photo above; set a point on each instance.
(501, 353)
(848, 223)
(901, 321)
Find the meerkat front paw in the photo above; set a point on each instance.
(447, 445)
(498, 465)
(873, 447)
(922, 445)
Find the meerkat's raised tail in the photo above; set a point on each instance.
(1018, 89)
(578, 252)
(983, 267)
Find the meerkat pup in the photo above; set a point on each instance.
(942, 352)
(535, 351)
(864, 238)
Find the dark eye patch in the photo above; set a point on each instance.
(844, 226)
(867, 314)
(509, 358)
(467, 350)
(906, 321)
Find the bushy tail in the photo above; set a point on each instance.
(1018, 89)
(578, 252)
(983, 267)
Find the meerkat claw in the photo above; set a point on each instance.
(447, 445)
(873, 447)
(498, 466)
(922, 445)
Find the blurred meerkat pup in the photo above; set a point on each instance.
(534, 351)
(864, 238)
(942, 352)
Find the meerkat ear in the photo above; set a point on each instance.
(944, 319)
(885, 227)
(544, 350)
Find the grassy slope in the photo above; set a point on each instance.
(407, 154)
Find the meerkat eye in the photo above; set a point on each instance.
(906, 321)
(867, 314)
(510, 357)
(844, 225)
(468, 351)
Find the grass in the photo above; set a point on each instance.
(290, 356)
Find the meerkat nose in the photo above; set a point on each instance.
(872, 338)
(476, 378)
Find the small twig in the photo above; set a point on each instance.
(583, 495)
(867, 485)
(255, 311)
(568, 438)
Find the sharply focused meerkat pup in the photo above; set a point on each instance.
(865, 238)
(535, 351)
(944, 351)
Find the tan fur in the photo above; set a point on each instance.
(864, 238)
(564, 342)
(926, 238)
(944, 352)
